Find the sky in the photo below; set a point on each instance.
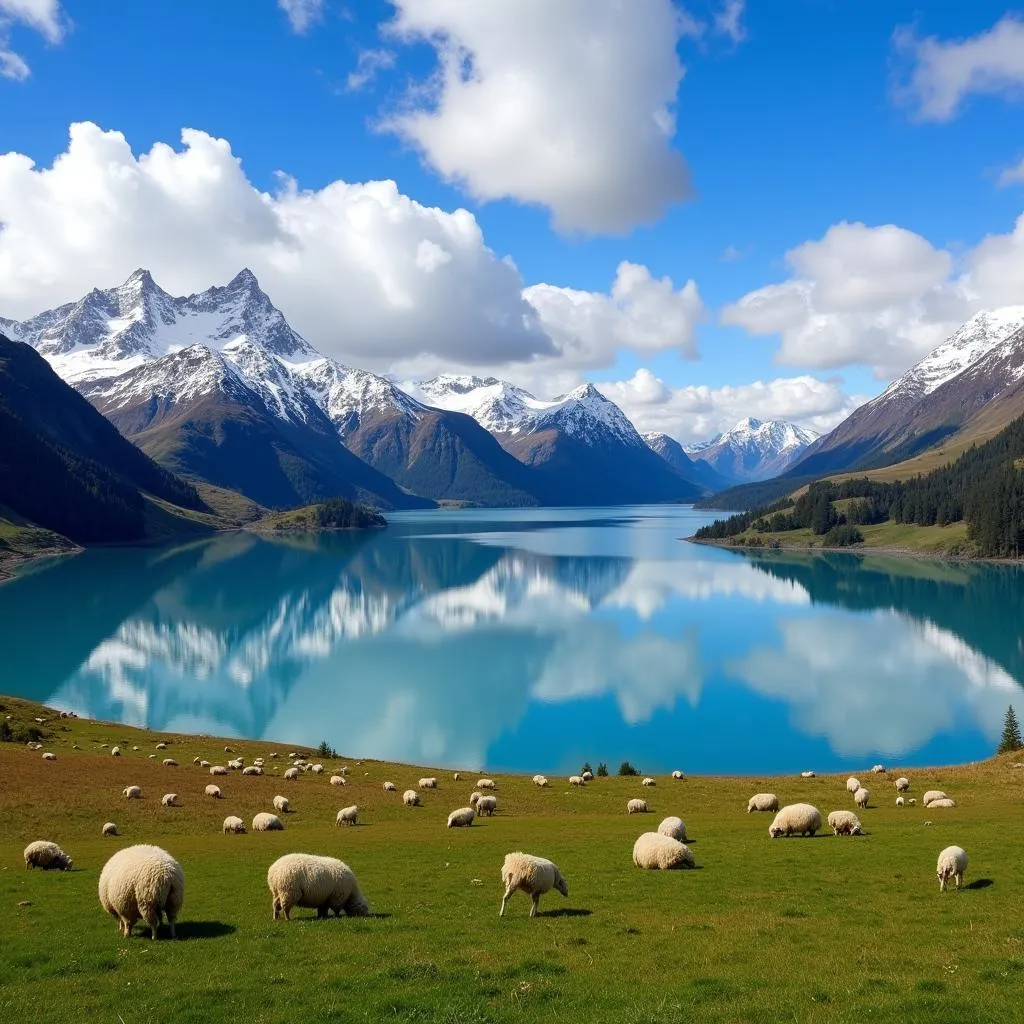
(721, 209)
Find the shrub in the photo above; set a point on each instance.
(627, 769)
(843, 536)
(602, 770)
(326, 750)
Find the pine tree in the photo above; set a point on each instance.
(1011, 733)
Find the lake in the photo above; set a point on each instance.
(530, 640)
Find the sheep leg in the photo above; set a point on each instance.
(504, 900)
(534, 903)
(170, 924)
(152, 918)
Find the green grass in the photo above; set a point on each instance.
(819, 930)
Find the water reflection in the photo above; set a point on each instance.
(515, 639)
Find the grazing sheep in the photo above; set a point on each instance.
(795, 819)
(852, 785)
(266, 822)
(142, 882)
(456, 776)
(110, 829)
(390, 787)
(213, 791)
(348, 816)
(902, 784)
(49, 757)
(587, 776)
(933, 794)
(474, 798)
(317, 769)
(636, 806)
(430, 783)
(337, 780)
(161, 746)
(763, 802)
(648, 782)
(540, 780)
(204, 764)
(169, 800)
(673, 827)
(135, 748)
(942, 802)
(912, 802)
(236, 764)
(131, 793)
(46, 855)
(115, 751)
(229, 750)
(485, 784)
(952, 864)
(323, 883)
(899, 801)
(169, 762)
(655, 851)
(152, 757)
(281, 804)
(218, 769)
(807, 775)
(576, 780)
(861, 797)
(253, 769)
(195, 760)
(291, 773)
(532, 875)
(878, 769)
(487, 805)
(845, 823)
(461, 818)
(234, 826)
(411, 798)
(677, 774)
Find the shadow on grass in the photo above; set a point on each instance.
(980, 883)
(565, 912)
(186, 930)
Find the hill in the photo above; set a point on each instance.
(337, 514)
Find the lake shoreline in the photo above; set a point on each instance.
(12, 563)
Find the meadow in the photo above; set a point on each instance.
(823, 929)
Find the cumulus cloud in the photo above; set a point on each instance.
(695, 413)
(942, 74)
(1013, 175)
(45, 16)
(302, 14)
(567, 105)
(878, 296)
(368, 64)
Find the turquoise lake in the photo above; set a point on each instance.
(531, 640)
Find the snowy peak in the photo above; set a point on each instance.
(347, 395)
(754, 449)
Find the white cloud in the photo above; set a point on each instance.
(729, 20)
(943, 74)
(45, 16)
(566, 105)
(878, 296)
(1013, 175)
(367, 66)
(695, 413)
(302, 14)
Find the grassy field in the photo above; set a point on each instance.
(821, 929)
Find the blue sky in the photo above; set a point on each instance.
(793, 118)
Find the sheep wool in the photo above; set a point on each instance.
(899, 801)
(236, 764)
(115, 751)
(49, 756)
(430, 783)
(317, 769)
(323, 883)
(807, 775)
(654, 851)
(161, 746)
(348, 816)
(234, 825)
(852, 785)
(942, 802)
(291, 773)
(762, 802)
(411, 798)
(253, 769)
(390, 787)
(532, 875)
(878, 769)
(169, 800)
(142, 882)
(213, 791)
(933, 794)
(952, 864)
(636, 806)
(487, 805)
(587, 776)
(281, 804)
(576, 780)
(861, 797)
(456, 776)
(902, 785)
(674, 827)
(46, 855)
(485, 784)
(474, 798)
(795, 819)
(266, 822)
(169, 762)
(337, 780)
(648, 782)
(677, 774)
(132, 793)
(845, 823)
(462, 818)
(218, 769)
(540, 780)
(110, 829)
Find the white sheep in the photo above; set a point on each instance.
(213, 791)
(347, 816)
(236, 764)
(266, 822)
(677, 774)
(899, 801)
(673, 827)
(912, 802)
(462, 818)
(135, 748)
(161, 746)
(110, 829)
(487, 805)
(281, 804)
(411, 798)
(532, 875)
(933, 794)
(861, 797)
(540, 780)
(576, 780)
(218, 769)
(132, 793)
(48, 756)
(115, 751)
(169, 800)
(795, 819)
(46, 855)
(852, 785)
(474, 798)
(317, 769)
(430, 783)
(456, 776)
(763, 802)
(942, 802)
(204, 764)
(845, 823)
(169, 762)
(807, 775)
(234, 825)
(952, 864)
(878, 769)
(636, 806)
(291, 773)
(485, 784)
(902, 784)
(252, 769)
(587, 776)
(390, 787)
(142, 882)
(655, 851)
(337, 780)
(323, 883)
(648, 782)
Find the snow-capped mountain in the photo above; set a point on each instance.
(753, 449)
(972, 385)
(690, 469)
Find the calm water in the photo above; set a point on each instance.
(530, 640)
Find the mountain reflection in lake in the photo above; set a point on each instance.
(530, 640)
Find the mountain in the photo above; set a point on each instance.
(698, 471)
(972, 384)
(66, 468)
(753, 450)
(581, 444)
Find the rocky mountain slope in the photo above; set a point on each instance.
(698, 471)
(753, 450)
